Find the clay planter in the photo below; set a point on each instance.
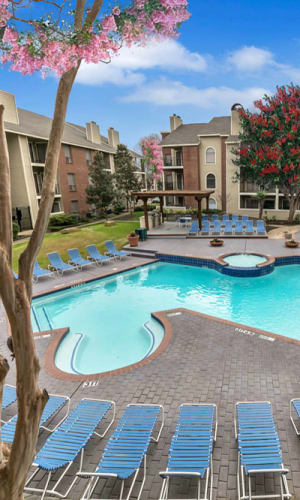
(216, 243)
(133, 240)
(291, 244)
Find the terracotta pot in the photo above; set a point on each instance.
(133, 240)
(216, 243)
(292, 244)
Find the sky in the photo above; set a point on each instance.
(228, 51)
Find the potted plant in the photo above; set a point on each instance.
(216, 242)
(133, 239)
(291, 243)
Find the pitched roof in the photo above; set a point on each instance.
(188, 134)
(35, 125)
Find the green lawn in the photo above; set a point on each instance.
(85, 235)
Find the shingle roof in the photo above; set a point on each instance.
(188, 134)
(35, 125)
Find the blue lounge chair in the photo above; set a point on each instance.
(215, 218)
(260, 227)
(249, 227)
(65, 443)
(113, 252)
(235, 219)
(244, 219)
(9, 396)
(238, 227)
(191, 448)
(228, 227)
(53, 406)
(205, 228)
(96, 256)
(225, 217)
(216, 228)
(195, 227)
(259, 449)
(295, 404)
(127, 448)
(38, 272)
(205, 218)
(58, 264)
(76, 259)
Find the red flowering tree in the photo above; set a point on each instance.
(53, 35)
(270, 144)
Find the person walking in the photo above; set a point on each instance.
(19, 217)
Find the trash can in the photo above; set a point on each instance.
(142, 232)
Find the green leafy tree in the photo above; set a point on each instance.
(270, 144)
(125, 174)
(101, 192)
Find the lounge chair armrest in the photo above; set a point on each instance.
(167, 473)
(266, 471)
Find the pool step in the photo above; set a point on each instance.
(141, 252)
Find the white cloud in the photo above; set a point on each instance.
(167, 92)
(123, 70)
(250, 59)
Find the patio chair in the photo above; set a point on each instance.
(65, 443)
(96, 256)
(53, 406)
(259, 449)
(228, 227)
(9, 396)
(205, 228)
(260, 227)
(127, 448)
(76, 259)
(239, 227)
(38, 272)
(195, 227)
(190, 454)
(225, 217)
(58, 264)
(235, 219)
(249, 227)
(215, 217)
(205, 218)
(295, 404)
(113, 252)
(244, 219)
(216, 228)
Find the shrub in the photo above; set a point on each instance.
(118, 207)
(64, 220)
(15, 230)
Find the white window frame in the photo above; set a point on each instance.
(216, 205)
(211, 173)
(210, 162)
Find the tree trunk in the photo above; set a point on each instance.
(292, 209)
(261, 208)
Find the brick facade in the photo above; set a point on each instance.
(79, 168)
(190, 155)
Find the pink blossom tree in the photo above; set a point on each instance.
(153, 159)
(59, 40)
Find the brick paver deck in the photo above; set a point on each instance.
(206, 361)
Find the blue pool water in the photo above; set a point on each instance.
(244, 260)
(107, 317)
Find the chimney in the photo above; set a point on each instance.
(175, 122)
(113, 137)
(235, 119)
(10, 109)
(93, 132)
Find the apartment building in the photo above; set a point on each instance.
(199, 156)
(27, 138)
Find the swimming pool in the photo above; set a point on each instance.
(107, 317)
(244, 260)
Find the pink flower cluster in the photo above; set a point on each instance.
(153, 159)
(59, 51)
(4, 13)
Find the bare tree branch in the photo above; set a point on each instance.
(79, 14)
(93, 12)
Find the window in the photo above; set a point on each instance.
(178, 158)
(210, 155)
(169, 182)
(38, 175)
(56, 207)
(37, 151)
(71, 182)
(88, 157)
(179, 181)
(74, 206)
(212, 204)
(210, 181)
(284, 204)
(168, 160)
(249, 202)
(68, 155)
